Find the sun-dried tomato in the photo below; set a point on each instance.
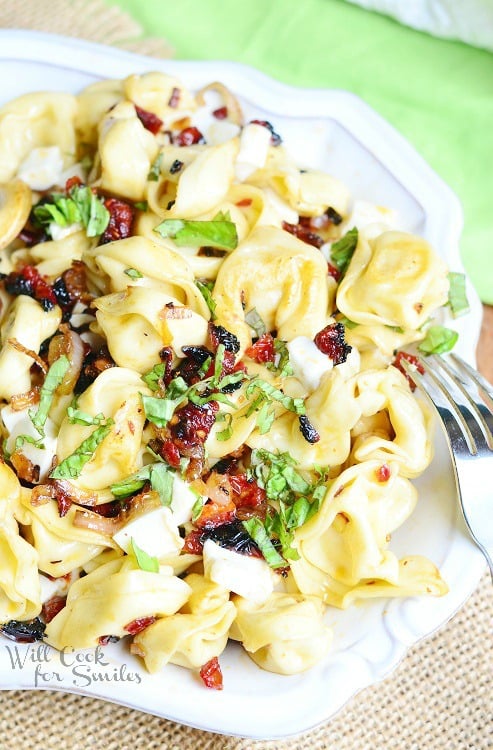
(140, 624)
(413, 360)
(308, 430)
(220, 335)
(220, 113)
(246, 491)
(211, 674)
(189, 137)
(52, 607)
(103, 640)
(120, 223)
(72, 182)
(28, 281)
(193, 543)
(330, 340)
(195, 357)
(149, 120)
(333, 271)
(262, 350)
(63, 501)
(94, 364)
(192, 424)
(304, 234)
(24, 632)
(169, 451)
(214, 514)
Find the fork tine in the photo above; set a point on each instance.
(461, 440)
(479, 390)
(467, 397)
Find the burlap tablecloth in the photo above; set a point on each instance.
(439, 698)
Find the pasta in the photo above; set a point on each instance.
(205, 428)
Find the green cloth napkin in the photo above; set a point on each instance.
(439, 94)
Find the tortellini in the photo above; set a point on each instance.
(286, 634)
(192, 636)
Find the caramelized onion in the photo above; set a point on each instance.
(218, 488)
(29, 352)
(76, 495)
(67, 342)
(137, 506)
(20, 401)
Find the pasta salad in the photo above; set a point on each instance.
(207, 431)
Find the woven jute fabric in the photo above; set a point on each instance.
(439, 698)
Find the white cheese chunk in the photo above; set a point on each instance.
(254, 147)
(42, 168)
(308, 362)
(183, 500)
(19, 423)
(59, 233)
(155, 532)
(371, 219)
(221, 131)
(250, 577)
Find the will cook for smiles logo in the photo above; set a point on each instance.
(79, 668)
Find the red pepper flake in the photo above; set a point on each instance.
(149, 120)
(262, 350)
(120, 223)
(174, 99)
(383, 473)
(189, 137)
(140, 624)
(330, 341)
(221, 113)
(52, 607)
(211, 674)
(244, 203)
(412, 361)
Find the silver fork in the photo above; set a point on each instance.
(464, 401)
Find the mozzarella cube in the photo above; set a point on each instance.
(19, 423)
(183, 500)
(254, 148)
(42, 169)
(250, 577)
(155, 532)
(308, 362)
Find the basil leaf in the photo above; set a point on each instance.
(281, 364)
(133, 273)
(342, 251)
(162, 483)
(197, 508)
(256, 530)
(265, 418)
(145, 562)
(159, 410)
(206, 291)
(218, 233)
(255, 321)
(438, 340)
(72, 466)
(153, 377)
(141, 205)
(132, 483)
(53, 379)
(80, 206)
(457, 297)
(21, 439)
(296, 405)
(347, 323)
(155, 170)
(77, 416)
(228, 430)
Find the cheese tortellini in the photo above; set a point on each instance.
(205, 432)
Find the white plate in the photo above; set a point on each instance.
(337, 132)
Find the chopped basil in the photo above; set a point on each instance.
(220, 232)
(72, 466)
(205, 289)
(154, 377)
(281, 364)
(77, 416)
(145, 562)
(80, 206)
(347, 323)
(21, 439)
(342, 251)
(255, 321)
(159, 410)
(265, 418)
(256, 530)
(133, 273)
(296, 405)
(228, 430)
(197, 508)
(162, 483)
(132, 483)
(438, 340)
(155, 170)
(53, 379)
(457, 297)
(141, 205)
